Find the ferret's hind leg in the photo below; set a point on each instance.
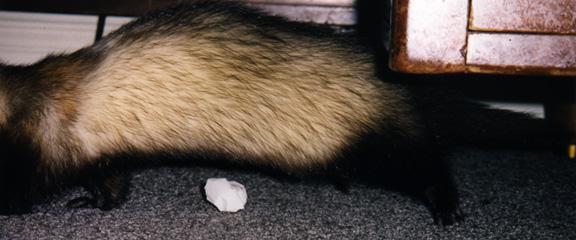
(108, 187)
(415, 166)
(427, 176)
(433, 182)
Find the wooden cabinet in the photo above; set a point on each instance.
(493, 36)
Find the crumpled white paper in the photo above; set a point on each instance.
(227, 196)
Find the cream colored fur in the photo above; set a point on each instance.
(293, 104)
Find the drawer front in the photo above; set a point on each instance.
(522, 51)
(538, 16)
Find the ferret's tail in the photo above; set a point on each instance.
(454, 120)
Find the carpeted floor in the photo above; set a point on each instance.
(505, 194)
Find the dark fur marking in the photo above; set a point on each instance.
(108, 187)
(19, 181)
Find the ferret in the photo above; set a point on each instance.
(221, 81)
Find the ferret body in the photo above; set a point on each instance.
(209, 79)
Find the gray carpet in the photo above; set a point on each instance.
(505, 194)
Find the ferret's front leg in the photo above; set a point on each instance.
(107, 186)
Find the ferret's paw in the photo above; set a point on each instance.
(81, 202)
(88, 202)
(444, 205)
(446, 217)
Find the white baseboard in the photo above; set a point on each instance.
(28, 37)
